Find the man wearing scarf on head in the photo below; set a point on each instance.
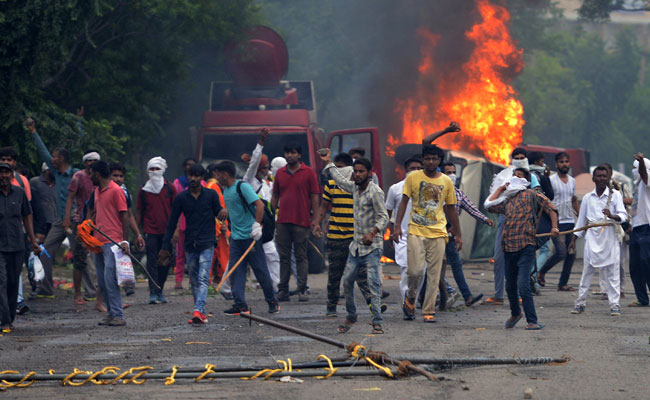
(153, 208)
(80, 189)
(519, 206)
(518, 160)
(640, 237)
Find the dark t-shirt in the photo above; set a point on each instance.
(13, 207)
(157, 208)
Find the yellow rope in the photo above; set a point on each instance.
(330, 368)
(359, 348)
(268, 371)
(286, 365)
(21, 383)
(208, 370)
(170, 379)
(141, 371)
(68, 380)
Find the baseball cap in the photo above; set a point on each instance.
(5, 165)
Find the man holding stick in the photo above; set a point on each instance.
(110, 210)
(200, 206)
(602, 250)
(245, 232)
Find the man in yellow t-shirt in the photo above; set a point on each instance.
(433, 202)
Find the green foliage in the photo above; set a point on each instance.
(578, 93)
(122, 60)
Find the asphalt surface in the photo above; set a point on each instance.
(609, 356)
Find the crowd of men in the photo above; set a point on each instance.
(219, 227)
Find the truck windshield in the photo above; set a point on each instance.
(221, 146)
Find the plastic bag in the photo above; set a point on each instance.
(123, 266)
(36, 266)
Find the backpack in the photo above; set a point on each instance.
(144, 203)
(268, 220)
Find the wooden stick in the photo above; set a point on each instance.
(316, 248)
(230, 271)
(584, 228)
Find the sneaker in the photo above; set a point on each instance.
(452, 300)
(616, 311)
(105, 321)
(22, 309)
(162, 299)
(331, 311)
(274, 308)
(383, 307)
(227, 295)
(384, 294)
(5, 328)
(129, 291)
(117, 322)
(283, 296)
(235, 310)
(303, 297)
(578, 310)
(45, 296)
(408, 308)
(198, 318)
(153, 298)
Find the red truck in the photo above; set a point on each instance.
(258, 96)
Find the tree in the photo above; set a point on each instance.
(599, 10)
(122, 60)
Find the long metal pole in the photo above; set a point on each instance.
(333, 342)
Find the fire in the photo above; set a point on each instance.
(485, 104)
(385, 259)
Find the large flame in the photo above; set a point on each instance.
(485, 104)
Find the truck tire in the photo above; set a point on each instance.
(315, 260)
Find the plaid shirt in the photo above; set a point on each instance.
(369, 212)
(519, 230)
(463, 202)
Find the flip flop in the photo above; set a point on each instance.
(377, 330)
(345, 326)
(510, 325)
(566, 289)
(534, 327)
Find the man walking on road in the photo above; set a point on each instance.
(566, 202)
(15, 212)
(640, 237)
(244, 229)
(295, 191)
(370, 220)
(110, 211)
(433, 203)
(200, 207)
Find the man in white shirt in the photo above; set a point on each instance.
(393, 198)
(640, 237)
(566, 202)
(602, 250)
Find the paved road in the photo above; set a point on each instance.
(609, 355)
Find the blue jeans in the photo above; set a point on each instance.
(352, 266)
(257, 260)
(499, 261)
(519, 265)
(544, 254)
(453, 259)
(107, 279)
(199, 263)
(561, 253)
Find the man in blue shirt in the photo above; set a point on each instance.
(244, 228)
(200, 207)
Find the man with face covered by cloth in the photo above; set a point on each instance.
(153, 209)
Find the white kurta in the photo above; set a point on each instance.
(601, 245)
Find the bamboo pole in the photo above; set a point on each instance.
(584, 228)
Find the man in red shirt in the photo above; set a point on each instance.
(112, 218)
(296, 190)
(152, 211)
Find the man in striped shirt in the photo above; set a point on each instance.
(566, 202)
(339, 234)
(453, 258)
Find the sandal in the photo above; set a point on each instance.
(534, 327)
(345, 326)
(511, 324)
(566, 289)
(541, 280)
(637, 304)
(492, 301)
(377, 330)
(430, 318)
